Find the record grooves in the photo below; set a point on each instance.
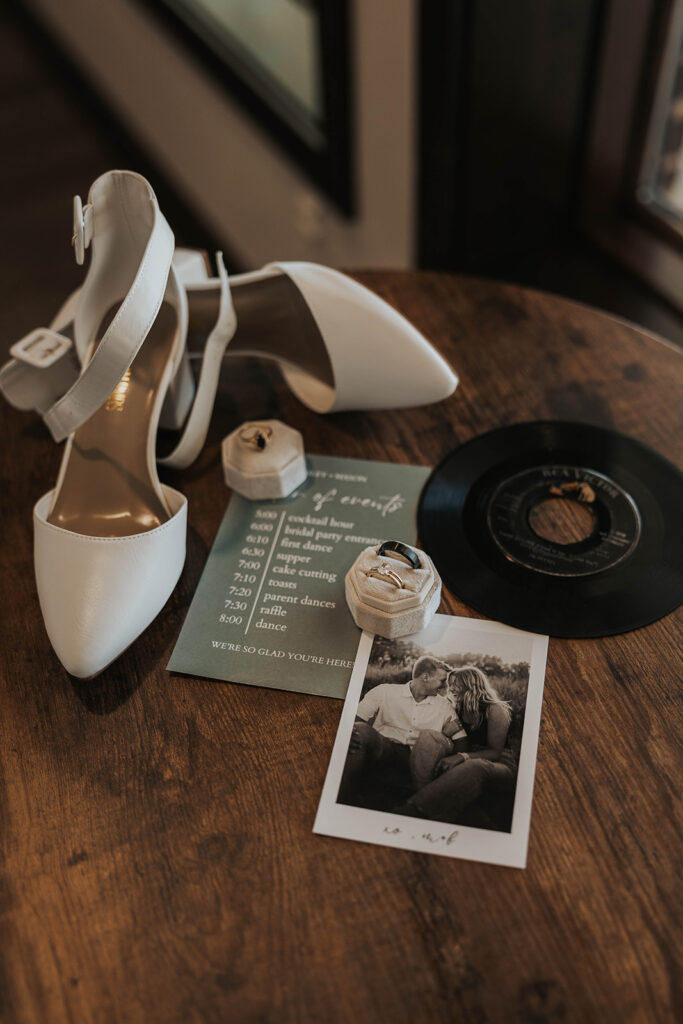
(474, 521)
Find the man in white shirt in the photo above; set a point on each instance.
(389, 721)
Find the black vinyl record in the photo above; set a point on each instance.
(474, 522)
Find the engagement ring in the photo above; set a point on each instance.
(383, 572)
(256, 435)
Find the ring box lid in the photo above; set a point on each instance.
(384, 595)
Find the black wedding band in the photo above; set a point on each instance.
(395, 547)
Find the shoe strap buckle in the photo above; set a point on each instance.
(83, 228)
(41, 348)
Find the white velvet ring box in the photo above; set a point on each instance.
(264, 459)
(380, 606)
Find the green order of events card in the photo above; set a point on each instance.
(270, 608)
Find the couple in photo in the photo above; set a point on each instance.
(443, 735)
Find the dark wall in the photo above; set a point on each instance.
(505, 88)
(506, 95)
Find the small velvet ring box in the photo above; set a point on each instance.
(264, 459)
(379, 604)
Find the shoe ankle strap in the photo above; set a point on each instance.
(43, 366)
(126, 332)
(197, 426)
(31, 380)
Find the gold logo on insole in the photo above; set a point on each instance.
(117, 398)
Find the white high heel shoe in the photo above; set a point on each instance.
(339, 345)
(110, 538)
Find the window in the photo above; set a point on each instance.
(633, 195)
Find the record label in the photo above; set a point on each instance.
(616, 523)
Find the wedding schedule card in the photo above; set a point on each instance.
(270, 608)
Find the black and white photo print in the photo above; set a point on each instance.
(437, 744)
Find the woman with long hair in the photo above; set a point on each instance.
(465, 768)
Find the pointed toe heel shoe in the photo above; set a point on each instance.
(109, 537)
(339, 345)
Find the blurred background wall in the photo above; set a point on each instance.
(536, 141)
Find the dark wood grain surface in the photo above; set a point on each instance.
(158, 862)
(156, 856)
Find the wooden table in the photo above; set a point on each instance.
(158, 862)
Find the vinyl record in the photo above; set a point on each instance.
(475, 521)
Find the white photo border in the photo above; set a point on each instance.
(463, 842)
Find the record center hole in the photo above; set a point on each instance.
(562, 520)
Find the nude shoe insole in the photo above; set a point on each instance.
(107, 490)
(273, 320)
